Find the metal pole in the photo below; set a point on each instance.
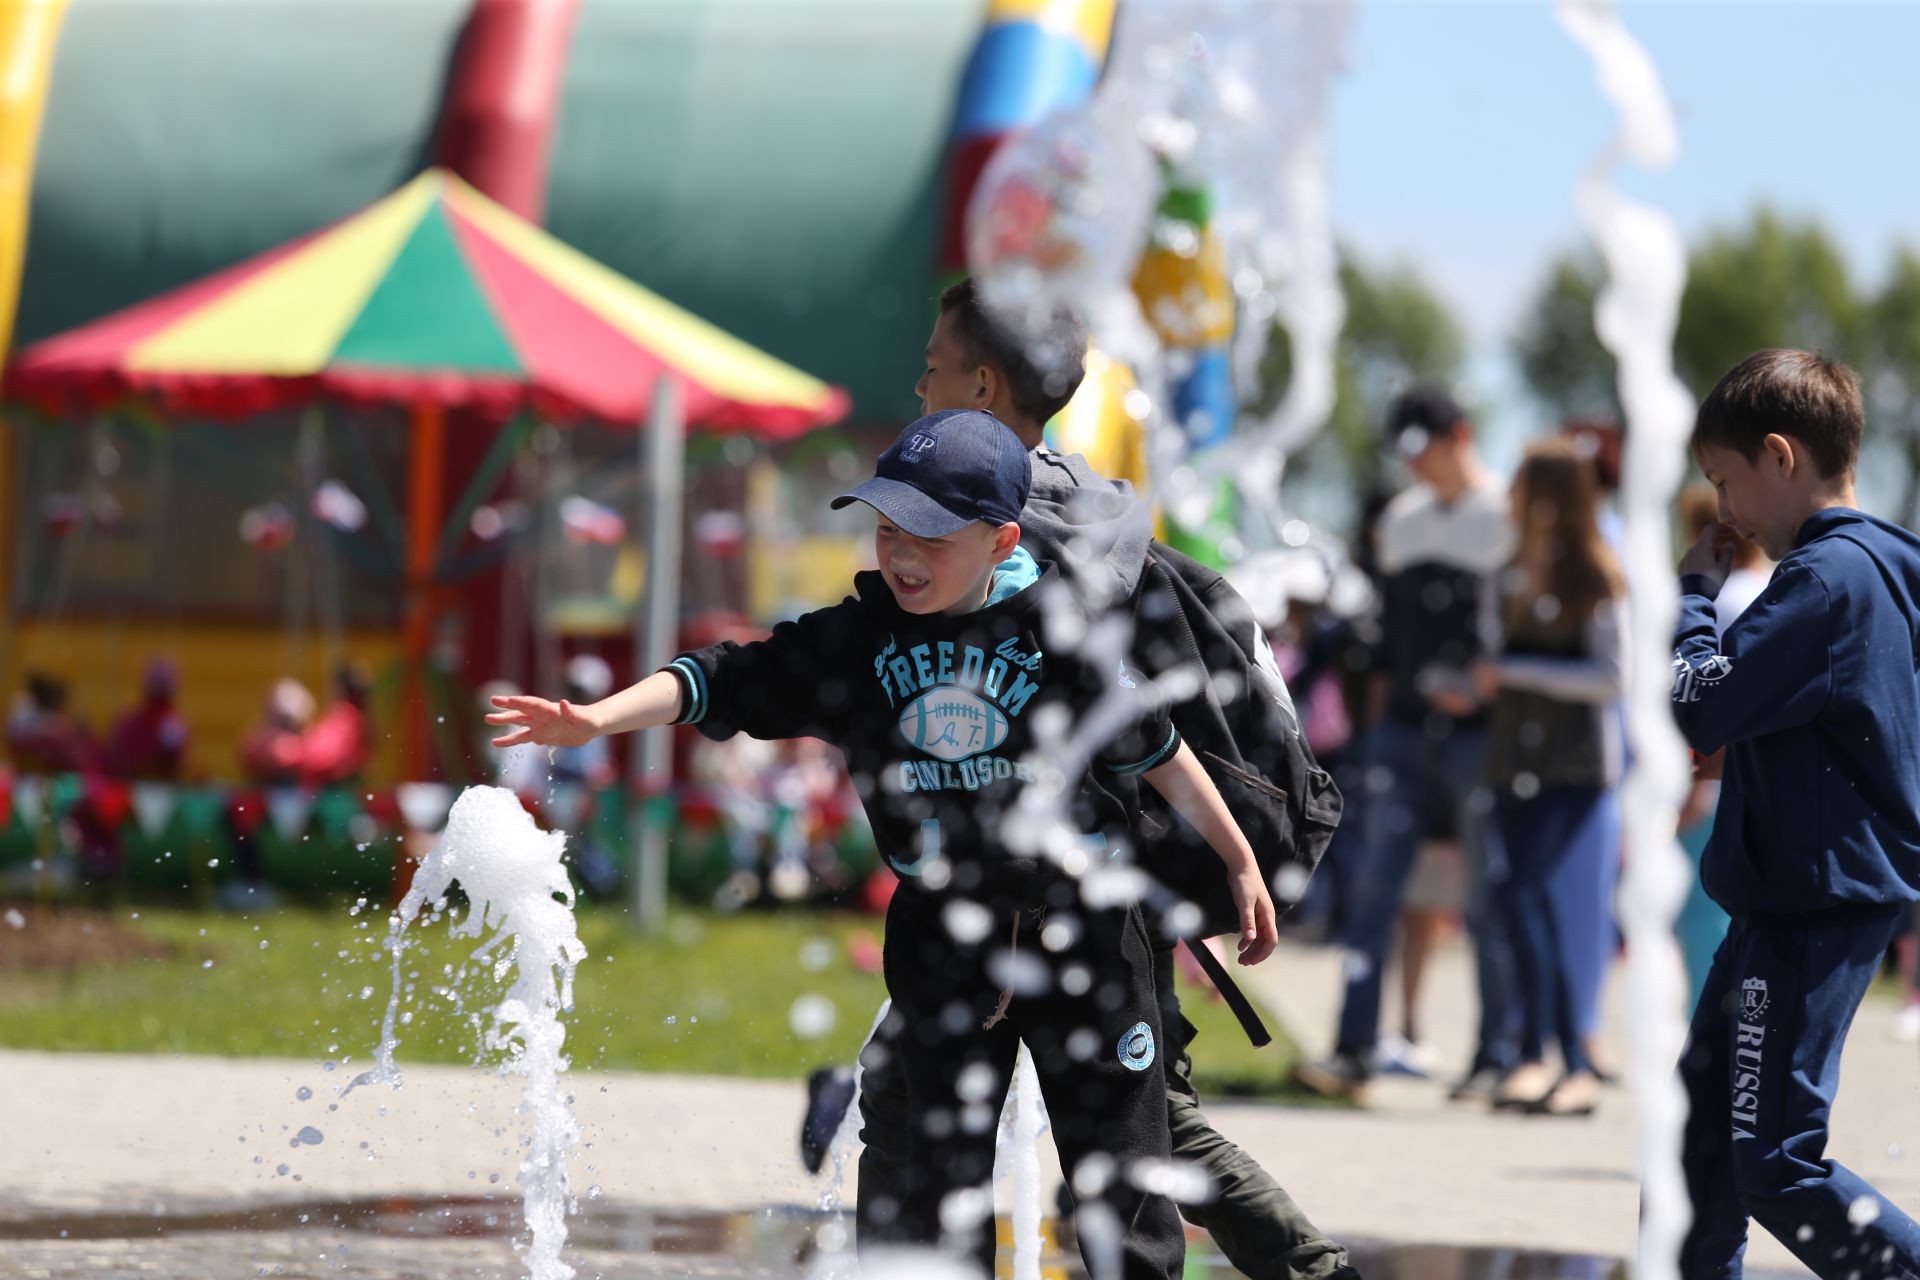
(663, 453)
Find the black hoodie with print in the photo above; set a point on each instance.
(937, 717)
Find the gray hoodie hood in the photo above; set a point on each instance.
(1094, 528)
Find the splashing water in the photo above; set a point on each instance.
(836, 1260)
(517, 887)
(1230, 96)
(1635, 317)
(1023, 1123)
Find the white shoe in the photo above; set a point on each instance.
(1906, 1024)
(1398, 1056)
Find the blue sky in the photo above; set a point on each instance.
(1460, 130)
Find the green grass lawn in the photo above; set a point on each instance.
(713, 994)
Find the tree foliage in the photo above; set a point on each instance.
(1770, 282)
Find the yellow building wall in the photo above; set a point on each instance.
(225, 673)
(814, 571)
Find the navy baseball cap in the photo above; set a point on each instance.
(945, 472)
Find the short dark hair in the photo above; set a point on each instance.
(1801, 394)
(1043, 367)
(1426, 407)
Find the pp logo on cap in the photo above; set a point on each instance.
(919, 449)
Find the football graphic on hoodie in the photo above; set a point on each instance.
(952, 724)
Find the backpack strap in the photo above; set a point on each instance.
(1236, 999)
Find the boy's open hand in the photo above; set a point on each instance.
(1711, 555)
(546, 724)
(1259, 928)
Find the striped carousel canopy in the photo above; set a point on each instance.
(435, 296)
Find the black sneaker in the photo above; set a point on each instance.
(829, 1094)
(1338, 1075)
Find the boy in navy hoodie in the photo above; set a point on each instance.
(1815, 850)
(937, 679)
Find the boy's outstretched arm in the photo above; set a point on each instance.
(1186, 786)
(1771, 671)
(652, 702)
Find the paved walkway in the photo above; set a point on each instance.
(1414, 1167)
(140, 1134)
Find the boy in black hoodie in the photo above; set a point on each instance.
(1815, 853)
(985, 752)
(1102, 535)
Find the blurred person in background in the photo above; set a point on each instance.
(734, 774)
(1315, 647)
(41, 737)
(1583, 885)
(149, 742)
(272, 754)
(1438, 544)
(340, 743)
(1351, 649)
(1556, 623)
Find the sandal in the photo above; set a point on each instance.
(1575, 1095)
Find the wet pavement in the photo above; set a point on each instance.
(397, 1238)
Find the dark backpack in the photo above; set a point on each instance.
(1243, 728)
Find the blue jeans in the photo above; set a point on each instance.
(1761, 1068)
(1581, 890)
(1540, 835)
(1413, 783)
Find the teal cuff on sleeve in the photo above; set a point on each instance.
(693, 680)
(1154, 761)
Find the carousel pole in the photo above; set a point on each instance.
(649, 822)
(426, 484)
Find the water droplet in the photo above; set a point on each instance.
(283, 1170)
(1863, 1210)
(811, 1016)
(309, 1135)
(206, 964)
(303, 1093)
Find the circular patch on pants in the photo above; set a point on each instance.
(1136, 1047)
